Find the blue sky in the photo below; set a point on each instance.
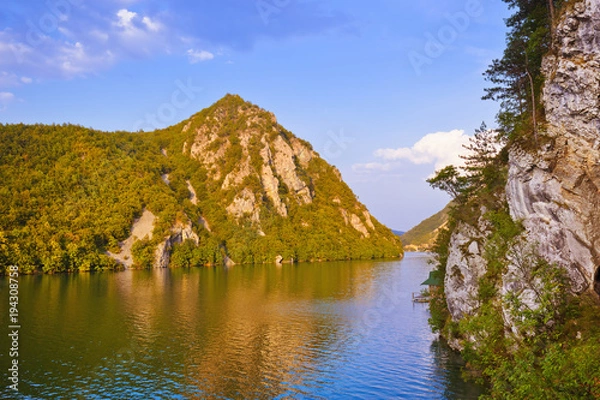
(385, 90)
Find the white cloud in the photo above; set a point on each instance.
(126, 19)
(26, 79)
(12, 51)
(196, 56)
(152, 25)
(5, 99)
(77, 60)
(440, 149)
(138, 35)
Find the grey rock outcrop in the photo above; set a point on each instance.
(281, 158)
(179, 234)
(270, 182)
(141, 229)
(286, 168)
(244, 204)
(466, 265)
(354, 220)
(358, 225)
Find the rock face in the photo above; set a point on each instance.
(244, 204)
(555, 190)
(141, 229)
(285, 165)
(282, 158)
(465, 267)
(179, 234)
(358, 225)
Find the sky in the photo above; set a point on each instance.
(388, 91)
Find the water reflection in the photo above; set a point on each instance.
(313, 330)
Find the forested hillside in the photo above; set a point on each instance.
(229, 184)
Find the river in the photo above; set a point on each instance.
(309, 331)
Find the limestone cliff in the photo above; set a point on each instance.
(554, 189)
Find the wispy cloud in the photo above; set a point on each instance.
(5, 99)
(8, 79)
(196, 56)
(373, 166)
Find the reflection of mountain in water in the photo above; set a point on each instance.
(313, 330)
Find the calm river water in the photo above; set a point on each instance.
(309, 331)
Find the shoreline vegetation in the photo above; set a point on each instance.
(121, 268)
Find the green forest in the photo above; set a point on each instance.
(70, 195)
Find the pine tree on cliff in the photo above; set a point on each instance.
(516, 78)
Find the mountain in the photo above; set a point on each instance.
(398, 233)
(227, 185)
(422, 237)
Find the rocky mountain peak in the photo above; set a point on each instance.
(246, 152)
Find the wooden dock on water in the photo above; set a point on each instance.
(419, 298)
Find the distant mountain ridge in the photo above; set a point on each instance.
(422, 237)
(227, 185)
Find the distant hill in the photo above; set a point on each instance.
(228, 185)
(398, 233)
(422, 237)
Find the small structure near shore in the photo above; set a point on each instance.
(434, 282)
